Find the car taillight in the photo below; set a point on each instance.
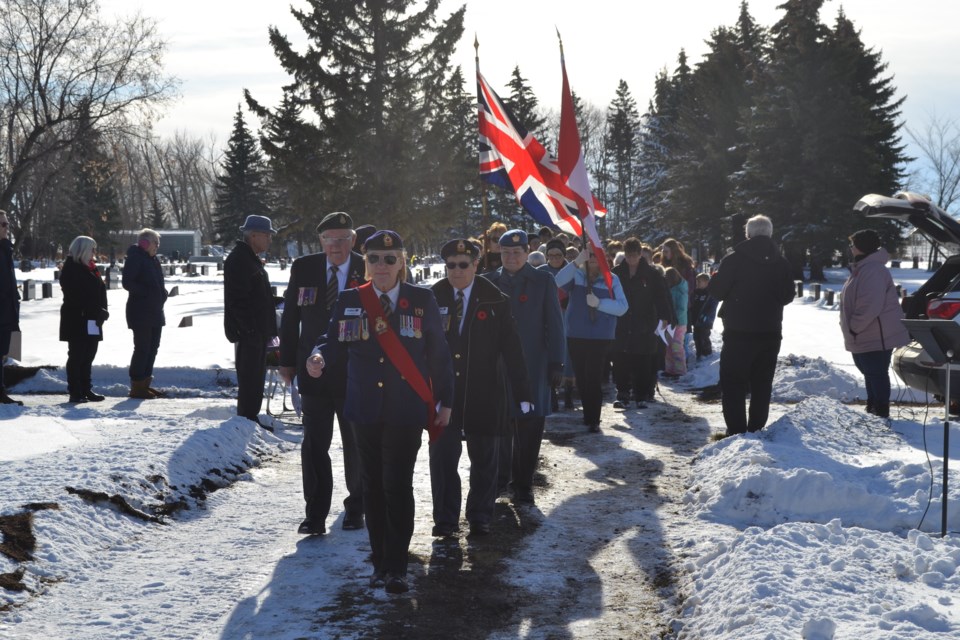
(943, 309)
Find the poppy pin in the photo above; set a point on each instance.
(481, 315)
(523, 297)
(403, 303)
(353, 284)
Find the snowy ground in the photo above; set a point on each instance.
(825, 525)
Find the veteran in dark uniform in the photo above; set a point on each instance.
(249, 312)
(536, 309)
(315, 283)
(398, 369)
(480, 331)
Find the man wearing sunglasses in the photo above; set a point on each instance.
(315, 284)
(9, 301)
(536, 309)
(480, 330)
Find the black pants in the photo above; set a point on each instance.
(251, 363)
(635, 372)
(519, 453)
(589, 358)
(317, 469)
(445, 454)
(5, 335)
(146, 343)
(701, 339)
(388, 455)
(80, 355)
(747, 364)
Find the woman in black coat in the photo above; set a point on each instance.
(143, 279)
(82, 315)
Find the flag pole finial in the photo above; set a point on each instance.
(560, 40)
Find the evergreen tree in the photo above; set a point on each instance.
(371, 76)
(157, 216)
(242, 188)
(623, 124)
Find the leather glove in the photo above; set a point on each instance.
(556, 374)
(102, 317)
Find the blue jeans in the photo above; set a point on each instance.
(875, 367)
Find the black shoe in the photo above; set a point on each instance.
(444, 530)
(5, 399)
(352, 521)
(378, 579)
(77, 399)
(396, 583)
(308, 528)
(479, 529)
(618, 404)
(568, 398)
(93, 397)
(593, 428)
(641, 404)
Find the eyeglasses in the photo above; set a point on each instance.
(374, 258)
(326, 240)
(554, 254)
(458, 265)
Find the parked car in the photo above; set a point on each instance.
(932, 311)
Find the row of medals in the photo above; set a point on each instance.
(357, 329)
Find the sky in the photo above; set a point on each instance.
(219, 47)
(810, 529)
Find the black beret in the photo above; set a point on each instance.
(335, 220)
(460, 247)
(383, 240)
(364, 231)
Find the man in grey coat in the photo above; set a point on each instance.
(536, 309)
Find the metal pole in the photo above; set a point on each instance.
(946, 448)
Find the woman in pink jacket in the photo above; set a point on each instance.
(871, 318)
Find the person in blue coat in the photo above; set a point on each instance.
(143, 280)
(536, 308)
(390, 352)
(9, 301)
(591, 319)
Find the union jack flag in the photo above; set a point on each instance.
(513, 159)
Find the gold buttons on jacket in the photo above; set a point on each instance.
(457, 356)
(380, 384)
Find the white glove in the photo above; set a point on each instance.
(582, 257)
(526, 407)
(592, 300)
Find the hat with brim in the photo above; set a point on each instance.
(385, 240)
(258, 223)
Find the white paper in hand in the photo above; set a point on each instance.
(92, 328)
(660, 331)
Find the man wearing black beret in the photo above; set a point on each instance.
(480, 330)
(315, 283)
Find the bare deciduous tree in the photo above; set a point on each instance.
(939, 173)
(59, 58)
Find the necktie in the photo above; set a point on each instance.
(332, 287)
(385, 301)
(459, 308)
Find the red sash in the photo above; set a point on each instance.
(398, 355)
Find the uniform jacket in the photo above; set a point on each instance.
(536, 310)
(870, 313)
(143, 279)
(754, 284)
(489, 334)
(581, 320)
(9, 296)
(248, 305)
(375, 390)
(84, 299)
(647, 304)
(306, 317)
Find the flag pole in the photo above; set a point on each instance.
(563, 64)
(484, 213)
